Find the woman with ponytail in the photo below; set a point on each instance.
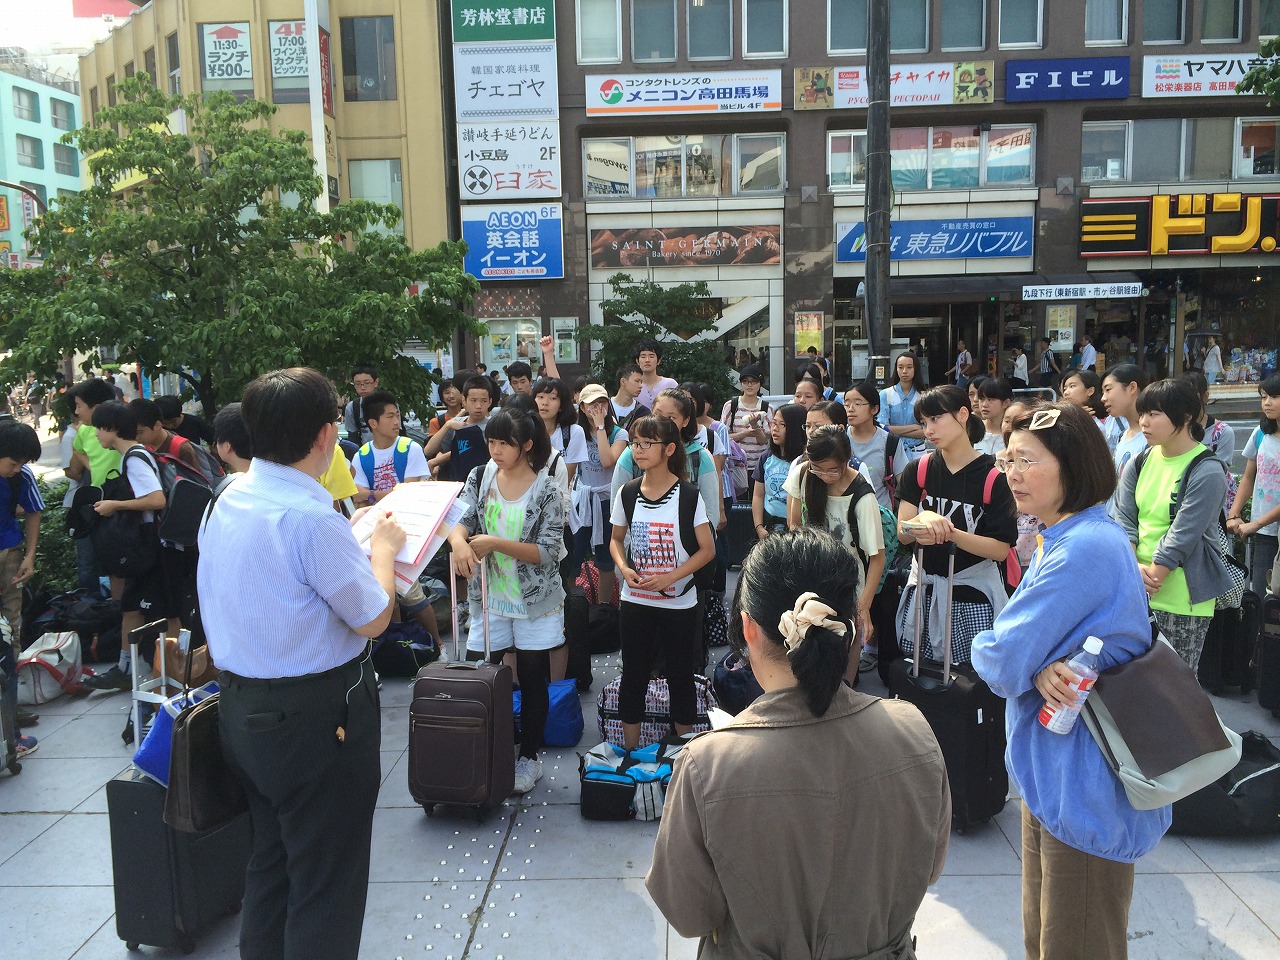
(1177, 543)
(776, 801)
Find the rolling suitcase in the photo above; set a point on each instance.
(1227, 657)
(739, 534)
(170, 886)
(462, 727)
(965, 716)
(1268, 657)
(577, 634)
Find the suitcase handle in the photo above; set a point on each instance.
(460, 658)
(947, 615)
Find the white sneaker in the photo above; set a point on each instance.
(528, 772)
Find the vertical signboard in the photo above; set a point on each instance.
(226, 50)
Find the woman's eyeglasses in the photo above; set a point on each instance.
(832, 473)
(644, 445)
(1016, 464)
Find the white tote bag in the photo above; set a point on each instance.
(48, 667)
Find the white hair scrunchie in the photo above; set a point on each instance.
(808, 612)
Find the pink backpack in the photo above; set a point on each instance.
(1012, 566)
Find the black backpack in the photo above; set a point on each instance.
(704, 576)
(123, 544)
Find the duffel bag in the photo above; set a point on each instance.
(656, 724)
(1244, 802)
(49, 668)
(564, 714)
(621, 785)
(734, 685)
(403, 649)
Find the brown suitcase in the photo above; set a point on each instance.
(461, 728)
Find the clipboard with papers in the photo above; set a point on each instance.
(427, 510)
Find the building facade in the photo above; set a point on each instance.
(36, 109)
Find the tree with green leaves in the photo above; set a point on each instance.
(217, 267)
(1264, 79)
(677, 316)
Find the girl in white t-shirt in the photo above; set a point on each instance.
(994, 397)
(1261, 484)
(560, 417)
(651, 543)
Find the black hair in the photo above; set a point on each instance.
(171, 407)
(512, 425)
(18, 441)
(700, 401)
(915, 370)
(809, 371)
(867, 390)
(1271, 387)
(708, 395)
(478, 382)
(115, 415)
(949, 398)
(229, 427)
(626, 370)
(1177, 400)
(833, 411)
(519, 369)
(686, 405)
(146, 411)
(995, 388)
(1199, 382)
(1086, 470)
(285, 411)
(523, 402)
(450, 382)
(376, 403)
(363, 368)
(648, 345)
(817, 386)
(793, 415)
(828, 442)
(665, 432)
(976, 382)
(1091, 381)
(1127, 373)
(568, 413)
(774, 574)
(93, 392)
(580, 383)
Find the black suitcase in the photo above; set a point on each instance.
(1267, 659)
(965, 716)
(462, 726)
(739, 534)
(1229, 644)
(170, 886)
(577, 634)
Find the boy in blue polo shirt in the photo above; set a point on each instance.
(19, 496)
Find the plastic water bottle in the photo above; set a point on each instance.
(1085, 666)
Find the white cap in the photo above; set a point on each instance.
(1093, 645)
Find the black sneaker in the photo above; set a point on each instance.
(27, 719)
(113, 679)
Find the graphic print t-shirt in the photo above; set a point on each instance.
(384, 467)
(656, 547)
(468, 449)
(505, 518)
(1265, 449)
(772, 472)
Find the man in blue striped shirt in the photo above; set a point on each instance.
(288, 600)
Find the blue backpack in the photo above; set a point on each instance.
(399, 459)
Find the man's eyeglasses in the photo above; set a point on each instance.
(362, 383)
(1015, 464)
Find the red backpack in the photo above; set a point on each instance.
(1012, 565)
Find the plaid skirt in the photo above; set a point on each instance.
(967, 621)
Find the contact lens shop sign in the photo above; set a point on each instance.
(631, 94)
(514, 241)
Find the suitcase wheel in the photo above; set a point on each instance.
(430, 809)
(131, 945)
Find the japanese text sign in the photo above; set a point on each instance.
(917, 84)
(628, 94)
(487, 20)
(1201, 75)
(514, 242)
(227, 53)
(1189, 223)
(505, 81)
(497, 161)
(1083, 291)
(967, 238)
(1090, 78)
(288, 48)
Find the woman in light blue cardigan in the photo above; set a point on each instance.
(1080, 836)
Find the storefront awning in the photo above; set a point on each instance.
(975, 288)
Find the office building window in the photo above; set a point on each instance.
(1258, 142)
(129, 70)
(764, 28)
(964, 25)
(62, 114)
(1173, 150)
(846, 26)
(174, 62)
(1207, 148)
(695, 165)
(41, 194)
(1269, 18)
(64, 194)
(1020, 22)
(111, 90)
(909, 25)
(65, 160)
(30, 152)
(1104, 150)
(93, 102)
(709, 29)
(379, 181)
(1162, 21)
(1105, 21)
(939, 158)
(368, 58)
(1221, 20)
(599, 31)
(653, 30)
(26, 105)
(149, 65)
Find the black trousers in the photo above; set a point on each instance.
(311, 801)
(647, 631)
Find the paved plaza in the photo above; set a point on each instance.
(537, 881)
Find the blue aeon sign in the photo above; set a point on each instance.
(514, 241)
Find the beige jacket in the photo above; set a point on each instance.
(791, 836)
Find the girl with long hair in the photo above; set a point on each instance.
(786, 445)
(898, 403)
(606, 442)
(1261, 488)
(1121, 385)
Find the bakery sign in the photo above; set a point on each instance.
(1185, 224)
(686, 247)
